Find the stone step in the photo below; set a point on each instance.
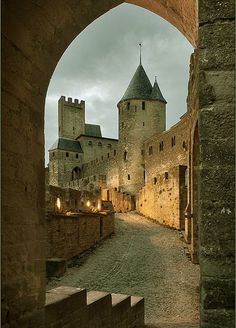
(99, 307)
(121, 307)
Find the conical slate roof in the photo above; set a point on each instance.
(156, 93)
(140, 87)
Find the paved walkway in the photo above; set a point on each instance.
(146, 259)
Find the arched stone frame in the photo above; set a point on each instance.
(76, 173)
(35, 36)
(194, 194)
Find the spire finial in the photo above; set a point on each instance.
(140, 45)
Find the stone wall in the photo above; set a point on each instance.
(70, 235)
(164, 196)
(217, 162)
(71, 199)
(97, 148)
(121, 201)
(79, 308)
(165, 199)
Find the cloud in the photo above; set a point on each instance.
(99, 64)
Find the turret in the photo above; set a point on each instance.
(142, 113)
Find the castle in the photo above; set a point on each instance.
(145, 161)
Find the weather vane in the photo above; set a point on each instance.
(140, 45)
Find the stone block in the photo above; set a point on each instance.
(212, 10)
(137, 312)
(216, 86)
(217, 185)
(218, 318)
(99, 309)
(121, 306)
(55, 267)
(216, 46)
(218, 293)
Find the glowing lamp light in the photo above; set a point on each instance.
(58, 203)
(88, 203)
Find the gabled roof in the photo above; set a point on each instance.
(93, 130)
(156, 93)
(67, 144)
(140, 87)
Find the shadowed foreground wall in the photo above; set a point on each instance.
(34, 36)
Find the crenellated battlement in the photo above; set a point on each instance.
(69, 101)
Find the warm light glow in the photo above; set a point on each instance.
(99, 207)
(58, 203)
(88, 203)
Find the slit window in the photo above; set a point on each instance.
(143, 105)
(166, 176)
(150, 150)
(77, 156)
(128, 176)
(67, 154)
(155, 180)
(125, 156)
(114, 152)
(143, 123)
(128, 105)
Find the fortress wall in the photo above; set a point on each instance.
(61, 166)
(97, 148)
(164, 196)
(69, 236)
(161, 201)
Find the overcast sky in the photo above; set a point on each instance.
(99, 64)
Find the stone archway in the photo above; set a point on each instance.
(34, 37)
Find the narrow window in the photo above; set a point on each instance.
(150, 150)
(114, 152)
(108, 155)
(128, 105)
(53, 154)
(155, 180)
(143, 105)
(166, 175)
(77, 155)
(67, 154)
(125, 156)
(143, 123)
(128, 177)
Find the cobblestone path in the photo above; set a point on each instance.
(143, 258)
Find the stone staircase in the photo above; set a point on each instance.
(70, 307)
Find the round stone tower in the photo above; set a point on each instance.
(142, 113)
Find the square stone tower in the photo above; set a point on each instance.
(71, 118)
